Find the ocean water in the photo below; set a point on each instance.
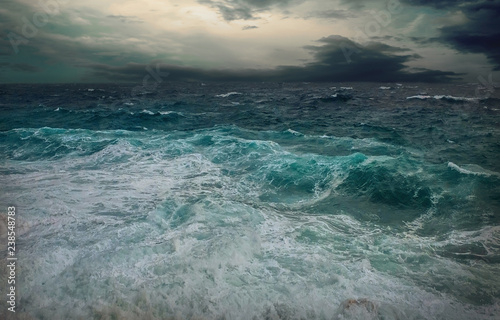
(253, 201)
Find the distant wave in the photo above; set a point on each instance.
(163, 113)
(441, 97)
(225, 95)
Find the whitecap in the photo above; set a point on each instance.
(472, 170)
(441, 97)
(421, 97)
(225, 95)
(296, 133)
(163, 113)
(146, 111)
(385, 88)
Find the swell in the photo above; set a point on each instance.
(307, 174)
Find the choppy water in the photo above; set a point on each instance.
(263, 201)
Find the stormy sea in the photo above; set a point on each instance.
(252, 201)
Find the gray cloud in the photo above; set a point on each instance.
(355, 4)
(330, 14)
(238, 13)
(126, 19)
(439, 4)
(245, 9)
(249, 27)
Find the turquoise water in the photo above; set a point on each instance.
(279, 202)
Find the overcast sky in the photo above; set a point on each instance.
(249, 40)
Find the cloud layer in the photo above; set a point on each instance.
(336, 59)
(250, 40)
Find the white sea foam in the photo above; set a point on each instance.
(147, 112)
(421, 97)
(294, 132)
(225, 95)
(441, 97)
(156, 226)
(385, 88)
(170, 112)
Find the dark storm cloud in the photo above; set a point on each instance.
(481, 32)
(135, 72)
(422, 40)
(5, 47)
(245, 9)
(340, 58)
(9, 20)
(382, 47)
(439, 4)
(336, 59)
(386, 38)
(23, 67)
